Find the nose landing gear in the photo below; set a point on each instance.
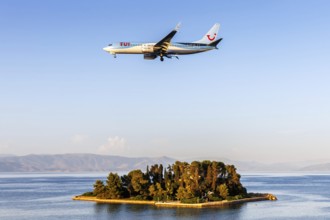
(114, 54)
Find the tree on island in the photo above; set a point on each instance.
(99, 189)
(223, 191)
(114, 188)
(189, 183)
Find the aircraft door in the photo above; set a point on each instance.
(147, 48)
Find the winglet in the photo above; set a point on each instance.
(177, 27)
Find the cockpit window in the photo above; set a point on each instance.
(110, 45)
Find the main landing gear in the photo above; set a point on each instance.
(168, 56)
(161, 57)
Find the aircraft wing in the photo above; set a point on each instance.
(162, 46)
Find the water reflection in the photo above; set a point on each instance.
(119, 211)
(136, 208)
(114, 208)
(99, 207)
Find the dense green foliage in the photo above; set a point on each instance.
(189, 183)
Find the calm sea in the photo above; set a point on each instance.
(48, 196)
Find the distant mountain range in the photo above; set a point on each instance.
(101, 163)
(325, 167)
(77, 163)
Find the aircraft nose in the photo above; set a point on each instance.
(106, 49)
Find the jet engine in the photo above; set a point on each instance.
(149, 56)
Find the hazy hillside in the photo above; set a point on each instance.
(94, 163)
(318, 167)
(252, 166)
(76, 163)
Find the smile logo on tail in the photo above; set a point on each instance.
(211, 39)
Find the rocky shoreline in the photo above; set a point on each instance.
(177, 204)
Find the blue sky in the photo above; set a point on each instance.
(264, 93)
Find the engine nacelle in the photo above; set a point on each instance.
(149, 56)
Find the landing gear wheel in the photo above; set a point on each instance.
(162, 59)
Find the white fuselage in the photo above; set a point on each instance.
(147, 48)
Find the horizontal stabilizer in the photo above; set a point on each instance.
(215, 43)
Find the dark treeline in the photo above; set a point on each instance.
(195, 182)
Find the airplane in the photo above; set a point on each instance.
(164, 48)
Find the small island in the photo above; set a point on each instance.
(198, 184)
